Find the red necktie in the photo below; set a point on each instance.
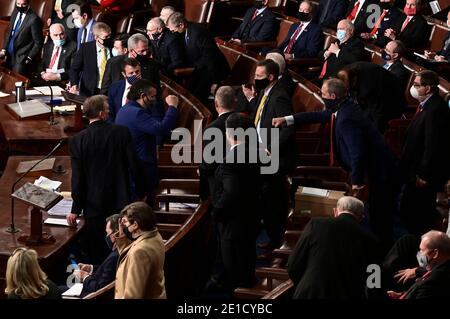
(418, 111)
(352, 14)
(424, 277)
(332, 122)
(254, 15)
(54, 57)
(405, 23)
(290, 46)
(378, 23)
(324, 70)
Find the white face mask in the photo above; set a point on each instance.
(448, 23)
(422, 259)
(77, 23)
(115, 52)
(414, 93)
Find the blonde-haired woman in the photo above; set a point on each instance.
(25, 278)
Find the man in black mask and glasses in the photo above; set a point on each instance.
(358, 147)
(144, 128)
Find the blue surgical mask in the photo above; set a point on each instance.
(449, 107)
(114, 52)
(340, 35)
(422, 259)
(59, 42)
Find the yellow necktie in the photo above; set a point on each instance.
(258, 112)
(58, 5)
(102, 67)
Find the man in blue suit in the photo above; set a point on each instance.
(304, 39)
(144, 128)
(84, 21)
(360, 149)
(259, 24)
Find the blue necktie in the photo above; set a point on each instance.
(15, 32)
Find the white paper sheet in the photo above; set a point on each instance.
(3, 94)
(46, 183)
(75, 290)
(315, 191)
(62, 208)
(58, 221)
(46, 90)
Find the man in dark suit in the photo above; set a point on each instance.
(225, 104)
(285, 78)
(268, 100)
(56, 57)
(304, 39)
(365, 82)
(331, 257)
(202, 53)
(443, 54)
(118, 91)
(23, 42)
(359, 148)
(144, 128)
(89, 62)
(390, 18)
(392, 54)
(347, 50)
(137, 49)
(165, 47)
(103, 159)
(97, 277)
(434, 255)
(84, 21)
(61, 12)
(414, 31)
(259, 24)
(358, 13)
(330, 12)
(236, 206)
(425, 155)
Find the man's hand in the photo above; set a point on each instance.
(393, 294)
(365, 35)
(429, 54)
(390, 33)
(2, 55)
(47, 76)
(288, 56)
(80, 274)
(405, 274)
(238, 41)
(249, 93)
(172, 100)
(121, 228)
(60, 14)
(278, 121)
(74, 89)
(333, 48)
(86, 267)
(439, 58)
(72, 219)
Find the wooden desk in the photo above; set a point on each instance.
(50, 255)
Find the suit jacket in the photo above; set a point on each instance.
(140, 271)
(424, 152)
(85, 69)
(330, 12)
(102, 158)
(287, 82)
(89, 37)
(331, 258)
(308, 44)
(236, 196)
(358, 146)
(168, 51)
(103, 275)
(203, 54)
(351, 51)
(263, 28)
(445, 47)
(115, 94)
(398, 69)
(379, 108)
(360, 22)
(29, 38)
(433, 286)
(392, 20)
(113, 72)
(207, 170)
(278, 104)
(416, 33)
(65, 59)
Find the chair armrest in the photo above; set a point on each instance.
(183, 72)
(260, 44)
(272, 272)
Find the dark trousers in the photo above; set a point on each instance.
(275, 207)
(418, 209)
(93, 240)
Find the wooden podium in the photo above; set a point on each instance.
(39, 199)
(78, 115)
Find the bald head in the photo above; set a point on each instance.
(155, 27)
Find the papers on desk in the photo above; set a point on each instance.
(32, 92)
(2, 94)
(65, 108)
(63, 208)
(75, 290)
(46, 183)
(28, 108)
(46, 90)
(58, 221)
(315, 191)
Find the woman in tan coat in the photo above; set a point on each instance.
(140, 274)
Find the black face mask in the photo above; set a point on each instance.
(156, 35)
(331, 104)
(109, 241)
(385, 5)
(261, 84)
(127, 233)
(258, 4)
(21, 9)
(108, 43)
(142, 59)
(303, 16)
(386, 56)
(149, 104)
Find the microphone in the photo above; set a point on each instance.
(52, 115)
(12, 228)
